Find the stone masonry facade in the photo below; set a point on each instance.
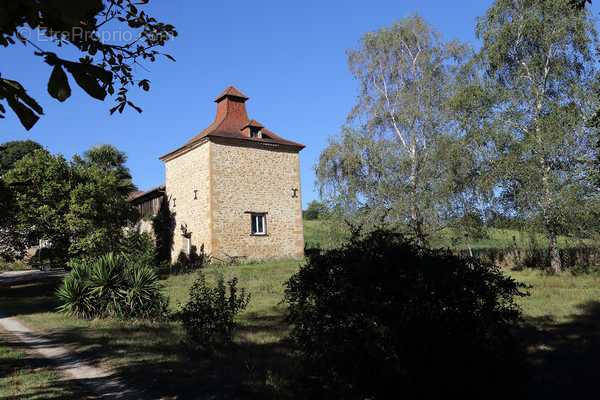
(234, 169)
(187, 187)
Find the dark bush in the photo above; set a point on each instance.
(380, 315)
(163, 225)
(208, 318)
(198, 259)
(112, 286)
(192, 262)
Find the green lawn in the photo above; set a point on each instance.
(153, 357)
(564, 313)
(28, 377)
(562, 332)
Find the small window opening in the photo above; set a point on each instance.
(258, 224)
(255, 132)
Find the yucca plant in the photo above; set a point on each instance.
(112, 285)
(144, 297)
(107, 283)
(74, 295)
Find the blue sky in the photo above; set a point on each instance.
(288, 57)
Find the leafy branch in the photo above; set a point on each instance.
(106, 67)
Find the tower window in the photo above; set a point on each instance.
(258, 224)
(255, 132)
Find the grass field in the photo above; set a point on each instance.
(319, 232)
(563, 337)
(153, 357)
(562, 332)
(28, 377)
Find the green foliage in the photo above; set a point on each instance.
(315, 210)
(12, 239)
(402, 159)
(380, 314)
(538, 59)
(12, 266)
(80, 208)
(98, 210)
(11, 152)
(163, 225)
(191, 262)
(40, 185)
(74, 293)
(139, 248)
(102, 63)
(110, 286)
(110, 160)
(208, 318)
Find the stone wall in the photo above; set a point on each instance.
(185, 174)
(249, 177)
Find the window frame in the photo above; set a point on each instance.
(262, 215)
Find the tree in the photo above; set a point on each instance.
(106, 61)
(12, 242)
(539, 57)
(80, 208)
(11, 152)
(98, 207)
(163, 226)
(40, 184)
(98, 211)
(580, 4)
(390, 161)
(110, 160)
(315, 210)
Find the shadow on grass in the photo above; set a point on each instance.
(564, 356)
(152, 356)
(29, 299)
(29, 377)
(155, 361)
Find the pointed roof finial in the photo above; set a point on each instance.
(231, 91)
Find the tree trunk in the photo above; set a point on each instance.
(555, 263)
(416, 218)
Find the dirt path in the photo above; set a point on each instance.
(97, 379)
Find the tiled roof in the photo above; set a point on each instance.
(230, 120)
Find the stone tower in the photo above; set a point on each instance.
(235, 188)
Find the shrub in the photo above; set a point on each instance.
(198, 259)
(110, 286)
(139, 248)
(18, 265)
(208, 318)
(380, 315)
(192, 262)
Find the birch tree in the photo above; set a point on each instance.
(539, 57)
(391, 156)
